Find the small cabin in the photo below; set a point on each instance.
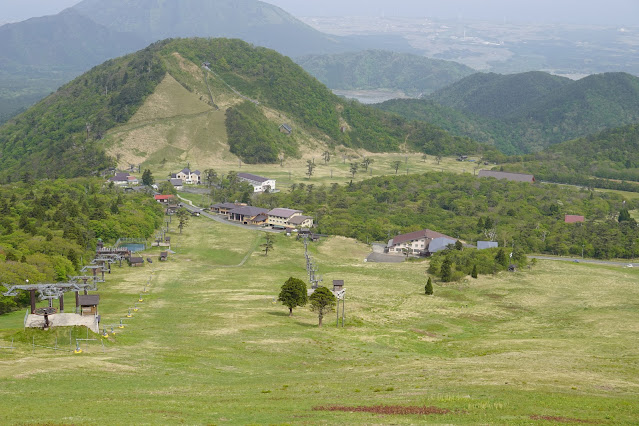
(164, 256)
(88, 304)
(136, 261)
(286, 129)
(338, 285)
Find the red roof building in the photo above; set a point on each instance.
(573, 218)
(164, 198)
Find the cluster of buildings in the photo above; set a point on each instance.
(279, 218)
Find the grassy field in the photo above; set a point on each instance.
(210, 345)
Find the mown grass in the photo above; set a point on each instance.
(209, 343)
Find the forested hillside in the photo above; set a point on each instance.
(47, 227)
(377, 69)
(527, 112)
(61, 136)
(530, 217)
(612, 156)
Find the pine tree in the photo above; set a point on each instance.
(428, 290)
(474, 273)
(147, 178)
(446, 270)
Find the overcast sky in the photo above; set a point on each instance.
(604, 12)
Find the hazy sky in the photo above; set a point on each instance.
(605, 12)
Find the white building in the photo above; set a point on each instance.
(424, 242)
(260, 184)
(189, 177)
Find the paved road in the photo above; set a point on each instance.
(576, 260)
(187, 204)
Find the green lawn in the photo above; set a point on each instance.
(210, 345)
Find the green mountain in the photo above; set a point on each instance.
(498, 96)
(377, 69)
(39, 55)
(528, 112)
(150, 104)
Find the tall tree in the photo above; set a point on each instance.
(268, 243)
(446, 271)
(293, 294)
(147, 178)
(322, 301)
(395, 165)
(367, 162)
(183, 218)
(354, 167)
(310, 167)
(327, 157)
(210, 176)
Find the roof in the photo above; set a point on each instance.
(440, 243)
(261, 217)
(338, 282)
(88, 299)
(481, 245)
(255, 178)
(298, 220)
(136, 260)
(224, 206)
(120, 177)
(417, 235)
(287, 127)
(176, 182)
(186, 171)
(164, 197)
(249, 211)
(164, 254)
(573, 218)
(283, 212)
(515, 177)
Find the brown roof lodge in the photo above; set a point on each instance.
(514, 177)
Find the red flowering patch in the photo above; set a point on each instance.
(384, 409)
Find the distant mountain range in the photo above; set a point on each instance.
(49, 51)
(527, 112)
(199, 100)
(413, 75)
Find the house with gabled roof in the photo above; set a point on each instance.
(123, 179)
(225, 208)
(280, 217)
(188, 176)
(259, 183)
(165, 199)
(424, 242)
(247, 214)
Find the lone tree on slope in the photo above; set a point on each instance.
(183, 218)
(322, 301)
(395, 165)
(268, 243)
(428, 290)
(293, 294)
